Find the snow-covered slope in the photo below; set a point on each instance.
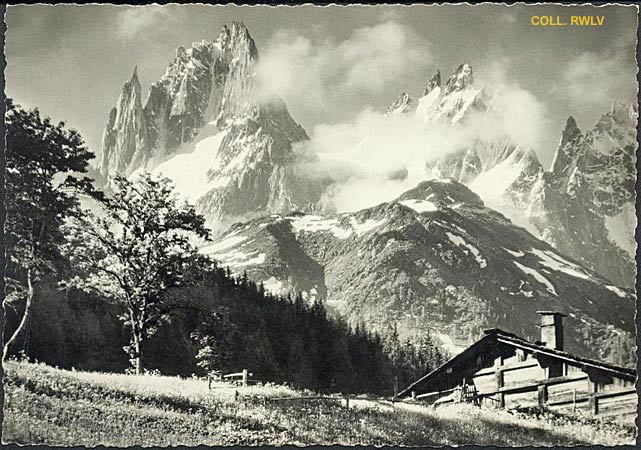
(434, 259)
(204, 125)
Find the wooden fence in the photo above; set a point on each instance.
(240, 378)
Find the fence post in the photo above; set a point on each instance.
(543, 395)
(395, 388)
(574, 400)
(413, 396)
(244, 377)
(347, 401)
(498, 376)
(593, 402)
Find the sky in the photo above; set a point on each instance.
(330, 64)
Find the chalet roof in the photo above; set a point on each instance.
(486, 349)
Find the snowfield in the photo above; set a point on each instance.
(315, 224)
(621, 228)
(556, 262)
(368, 225)
(617, 290)
(538, 277)
(229, 241)
(420, 206)
(188, 171)
(459, 241)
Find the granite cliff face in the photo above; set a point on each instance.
(204, 124)
(584, 205)
(126, 130)
(434, 259)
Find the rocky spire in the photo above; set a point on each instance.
(460, 79)
(181, 52)
(433, 82)
(404, 103)
(125, 132)
(131, 88)
(570, 150)
(236, 39)
(570, 132)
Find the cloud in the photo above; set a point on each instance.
(316, 75)
(136, 19)
(595, 80)
(375, 157)
(518, 113)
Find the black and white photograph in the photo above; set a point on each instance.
(301, 225)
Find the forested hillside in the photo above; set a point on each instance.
(277, 339)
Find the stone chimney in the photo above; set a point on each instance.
(552, 329)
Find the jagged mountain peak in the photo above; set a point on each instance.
(132, 85)
(204, 124)
(589, 191)
(403, 104)
(234, 29)
(461, 79)
(570, 132)
(433, 82)
(236, 38)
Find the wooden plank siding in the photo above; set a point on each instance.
(513, 383)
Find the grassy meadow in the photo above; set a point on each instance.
(44, 405)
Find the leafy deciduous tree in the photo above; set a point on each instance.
(140, 249)
(43, 161)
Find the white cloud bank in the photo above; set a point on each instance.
(375, 157)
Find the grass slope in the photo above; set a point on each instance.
(44, 405)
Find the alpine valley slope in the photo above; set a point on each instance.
(435, 259)
(205, 124)
(583, 205)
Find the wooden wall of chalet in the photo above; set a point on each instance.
(521, 381)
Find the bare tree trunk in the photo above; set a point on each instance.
(25, 317)
(138, 359)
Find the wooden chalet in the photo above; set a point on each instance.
(506, 371)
